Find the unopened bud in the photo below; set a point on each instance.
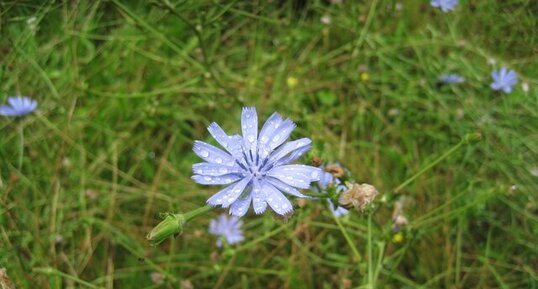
(358, 196)
(472, 137)
(171, 225)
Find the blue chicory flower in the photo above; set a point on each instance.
(228, 228)
(503, 80)
(451, 78)
(445, 5)
(327, 179)
(18, 106)
(256, 168)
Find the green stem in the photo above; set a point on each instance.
(197, 212)
(370, 253)
(349, 240)
(314, 194)
(55, 272)
(472, 137)
(21, 148)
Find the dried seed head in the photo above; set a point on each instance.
(157, 278)
(301, 203)
(346, 283)
(5, 282)
(399, 222)
(358, 196)
(316, 161)
(398, 219)
(336, 170)
(398, 207)
(186, 284)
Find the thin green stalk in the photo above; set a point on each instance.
(21, 148)
(196, 212)
(349, 240)
(314, 194)
(52, 271)
(465, 140)
(371, 284)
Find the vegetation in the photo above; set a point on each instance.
(125, 87)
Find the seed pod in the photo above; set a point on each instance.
(336, 170)
(5, 282)
(358, 196)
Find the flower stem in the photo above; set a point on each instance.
(316, 195)
(370, 253)
(349, 240)
(21, 148)
(197, 212)
(467, 139)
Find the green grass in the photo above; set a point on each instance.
(125, 87)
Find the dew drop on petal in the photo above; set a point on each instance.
(204, 154)
(218, 160)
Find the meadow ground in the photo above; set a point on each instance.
(125, 87)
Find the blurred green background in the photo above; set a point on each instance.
(125, 87)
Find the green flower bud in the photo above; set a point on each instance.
(472, 137)
(171, 225)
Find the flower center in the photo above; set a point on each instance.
(255, 171)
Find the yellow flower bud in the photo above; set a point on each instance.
(292, 81)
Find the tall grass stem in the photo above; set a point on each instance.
(21, 146)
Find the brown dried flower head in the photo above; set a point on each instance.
(5, 282)
(358, 196)
(316, 161)
(336, 170)
(400, 221)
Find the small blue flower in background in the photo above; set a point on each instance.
(451, 78)
(228, 228)
(445, 5)
(18, 106)
(256, 167)
(327, 179)
(504, 79)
